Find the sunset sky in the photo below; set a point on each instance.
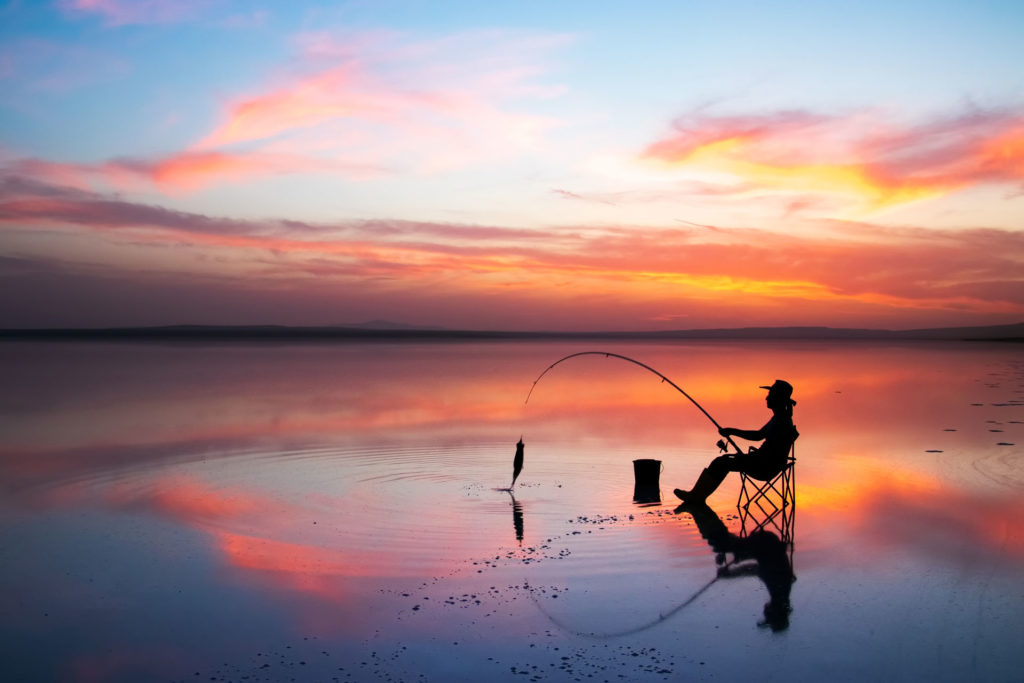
(521, 165)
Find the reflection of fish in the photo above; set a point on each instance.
(517, 517)
(517, 462)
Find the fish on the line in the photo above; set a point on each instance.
(517, 462)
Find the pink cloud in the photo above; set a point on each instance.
(385, 99)
(191, 170)
(353, 106)
(300, 104)
(187, 170)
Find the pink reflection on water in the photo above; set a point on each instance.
(112, 425)
(947, 524)
(306, 482)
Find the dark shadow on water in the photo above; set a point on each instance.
(761, 553)
(517, 517)
(517, 514)
(646, 496)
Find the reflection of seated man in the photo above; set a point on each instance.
(770, 561)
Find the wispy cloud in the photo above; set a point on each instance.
(296, 105)
(30, 66)
(390, 99)
(589, 197)
(846, 270)
(187, 170)
(354, 105)
(125, 12)
(865, 156)
(25, 200)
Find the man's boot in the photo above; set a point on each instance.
(707, 482)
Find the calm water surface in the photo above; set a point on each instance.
(330, 512)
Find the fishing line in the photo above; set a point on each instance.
(664, 379)
(662, 616)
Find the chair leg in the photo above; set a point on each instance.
(778, 492)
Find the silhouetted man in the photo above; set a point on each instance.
(761, 463)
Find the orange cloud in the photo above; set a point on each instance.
(647, 270)
(858, 156)
(1003, 154)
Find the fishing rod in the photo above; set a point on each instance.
(608, 354)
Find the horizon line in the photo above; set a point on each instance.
(1006, 332)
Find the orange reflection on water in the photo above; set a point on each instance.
(867, 415)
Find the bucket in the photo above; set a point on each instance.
(646, 473)
(646, 488)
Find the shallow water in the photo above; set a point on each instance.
(331, 511)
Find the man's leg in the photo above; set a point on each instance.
(710, 479)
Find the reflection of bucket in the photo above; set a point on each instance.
(646, 473)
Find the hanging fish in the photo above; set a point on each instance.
(517, 462)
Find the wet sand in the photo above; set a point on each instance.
(320, 512)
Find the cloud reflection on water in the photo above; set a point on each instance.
(100, 408)
(311, 470)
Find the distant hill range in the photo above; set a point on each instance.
(384, 330)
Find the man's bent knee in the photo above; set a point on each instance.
(722, 463)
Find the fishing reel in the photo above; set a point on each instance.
(721, 446)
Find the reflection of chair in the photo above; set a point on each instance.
(770, 505)
(773, 501)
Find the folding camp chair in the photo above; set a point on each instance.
(769, 503)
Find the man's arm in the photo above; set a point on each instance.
(748, 434)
